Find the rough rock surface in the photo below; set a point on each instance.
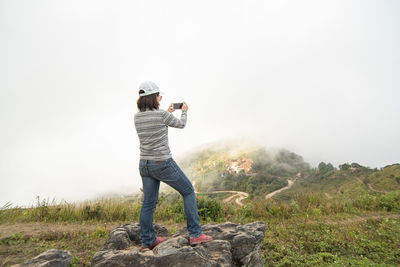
(233, 245)
(49, 258)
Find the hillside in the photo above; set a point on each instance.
(253, 170)
(350, 180)
(258, 172)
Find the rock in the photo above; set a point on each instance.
(219, 251)
(233, 245)
(49, 258)
(129, 234)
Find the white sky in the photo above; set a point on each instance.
(320, 78)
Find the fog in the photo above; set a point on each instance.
(320, 78)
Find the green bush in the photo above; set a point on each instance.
(209, 209)
(389, 201)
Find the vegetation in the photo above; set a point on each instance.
(18, 248)
(309, 230)
(346, 182)
(330, 216)
(170, 209)
(209, 168)
(298, 242)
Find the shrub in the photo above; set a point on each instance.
(209, 209)
(389, 201)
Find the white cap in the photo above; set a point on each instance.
(149, 88)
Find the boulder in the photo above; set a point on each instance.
(233, 245)
(129, 234)
(49, 258)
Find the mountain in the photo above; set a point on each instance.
(259, 171)
(347, 181)
(253, 169)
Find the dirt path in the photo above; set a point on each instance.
(38, 229)
(357, 219)
(290, 184)
(42, 230)
(371, 188)
(237, 194)
(376, 190)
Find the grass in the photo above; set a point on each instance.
(309, 230)
(370, 242)
(103, 210)
(170, 208)
(82, 245)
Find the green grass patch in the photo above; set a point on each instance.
(298, 242)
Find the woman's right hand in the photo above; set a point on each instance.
(185, 106)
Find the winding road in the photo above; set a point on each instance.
(239, 195)
(290, 184)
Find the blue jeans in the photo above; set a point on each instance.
(167, 171)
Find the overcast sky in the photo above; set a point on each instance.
(320, 78)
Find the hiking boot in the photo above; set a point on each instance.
(158, 241)
(201, 239)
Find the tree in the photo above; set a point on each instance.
(344, 166)
(323, 167)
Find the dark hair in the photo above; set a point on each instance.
(147, 101)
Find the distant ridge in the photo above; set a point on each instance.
(258, 171)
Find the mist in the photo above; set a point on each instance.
(318, 78)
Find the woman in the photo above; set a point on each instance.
(156, 164)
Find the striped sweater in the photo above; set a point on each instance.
(152, 129)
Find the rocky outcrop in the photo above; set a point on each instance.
(233, 245)
(49, 258)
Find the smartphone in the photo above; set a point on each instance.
(177, 105)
